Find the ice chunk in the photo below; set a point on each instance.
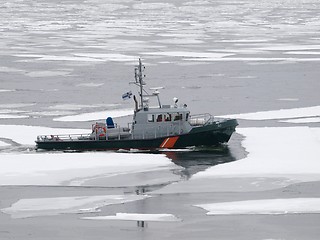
(137, 217)
(264, 206)
(278, 114)
(74, 169)
(53, 206)
(95, 115)
(303, 120)
(28, 134)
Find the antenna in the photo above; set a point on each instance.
(138, 75)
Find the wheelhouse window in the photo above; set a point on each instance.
(150, 118)
(177, 117)
(167, 117)
(159, 117)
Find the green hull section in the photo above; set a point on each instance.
(208, 135)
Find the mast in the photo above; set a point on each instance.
(138, 72)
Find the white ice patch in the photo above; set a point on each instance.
(153, 6)
(274, 151)
(16, 105)
(108, 57)
(6, 90)
(11, 111)
(244, 77)
(10, 70)
(74, 169)
(28, 134)
(192, 55)
(288, 99)
(303, 53)
(90, 84)
(278, 114)
(303, 120)
(39, 57)
(287, 47)
(96, 115)
(277, 157)
(138, 217)
(7, 116)
(79, 106)
(180, 41)
(164, 217)
(3, 144)
(50, 113)
(60, 205)
(40, 74)
(264, 206)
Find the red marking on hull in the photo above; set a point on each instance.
(169, 142)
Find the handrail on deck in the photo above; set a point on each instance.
(200, 119)
(69, 137)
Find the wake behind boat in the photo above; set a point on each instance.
(163, 126)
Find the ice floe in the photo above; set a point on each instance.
(164, 217)
(288, 99)
(303, 53)
(61, 205)
(92, 84)
(7, 90)
(96, 115)
(74, 169)
(192, 55)
(39, 57)
(11, 116)
(75, 106)
(108, 57)
(40, 74)
(152, 6)
(10, 70)
(264, 206)
(288, 47)
(272, 151)
(303, 120)
(28, 134)
(278, 114)
(277, 157)
(3, 144)
(16, 105)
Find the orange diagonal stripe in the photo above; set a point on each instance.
(169, 142)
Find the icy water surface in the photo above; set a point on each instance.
(66, 64)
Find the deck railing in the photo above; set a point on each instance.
(200, 119)
(66, 137)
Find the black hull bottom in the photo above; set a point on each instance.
(202, 136)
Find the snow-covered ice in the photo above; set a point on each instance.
(277, 157)
(74, 169)
(264, 206)
(274, 151)
(3, 144)
(303, 120)
(44, 74)
(28, 134)
(90, 84)
(33, 207)
(11, 116)
(164, 217)
(202, 55)
(278, 114)
(95, 115)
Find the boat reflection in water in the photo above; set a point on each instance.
(199, 159)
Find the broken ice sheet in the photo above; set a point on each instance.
(34, 207)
